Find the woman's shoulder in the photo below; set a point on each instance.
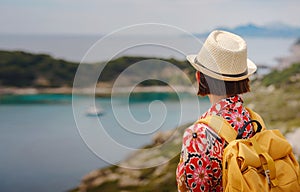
(197, 129)
(199, 132)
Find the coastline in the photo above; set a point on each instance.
(100, 92)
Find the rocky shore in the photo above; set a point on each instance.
(285, 62)
(98, 91)
(151, 168)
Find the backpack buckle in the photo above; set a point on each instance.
(267, 174)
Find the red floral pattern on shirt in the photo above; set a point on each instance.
(200, 166)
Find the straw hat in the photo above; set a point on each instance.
(223, 56)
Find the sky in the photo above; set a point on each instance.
(105, 16)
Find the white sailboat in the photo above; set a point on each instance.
(94, 111)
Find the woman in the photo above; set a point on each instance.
(222, 74)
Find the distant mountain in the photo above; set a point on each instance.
(252, 30)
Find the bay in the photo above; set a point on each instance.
(42, 150)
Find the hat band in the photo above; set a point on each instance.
(222, 74)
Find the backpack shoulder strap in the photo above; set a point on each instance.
(224, 129)
(257, 117)
(220, 126)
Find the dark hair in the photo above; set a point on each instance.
(209, 85)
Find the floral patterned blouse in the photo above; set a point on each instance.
(200, 166)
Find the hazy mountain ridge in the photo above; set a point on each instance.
(253, 30)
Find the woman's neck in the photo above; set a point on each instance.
(216, 98)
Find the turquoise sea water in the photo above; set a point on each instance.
(41, 148)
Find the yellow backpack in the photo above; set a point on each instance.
(262, 163)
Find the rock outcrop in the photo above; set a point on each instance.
(151, 168)
(294, 57)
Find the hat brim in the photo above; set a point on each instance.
(251, 69)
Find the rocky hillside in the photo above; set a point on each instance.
(294, 56)
(145, 176)
(22, 70)
(277, 98)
